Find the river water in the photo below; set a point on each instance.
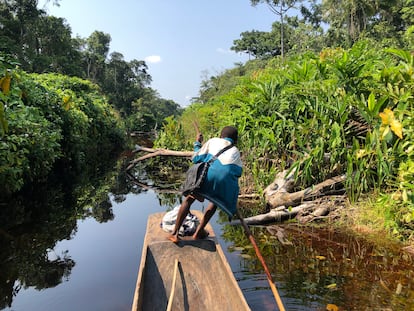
(87, 257)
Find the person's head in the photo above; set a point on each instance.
(229, 132)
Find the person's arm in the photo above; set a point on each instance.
(201, 152)
(197, 143)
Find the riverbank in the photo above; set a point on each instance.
(377, 222)
(375, 217)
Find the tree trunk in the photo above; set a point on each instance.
(279, 214)
(278, 192)
(305, 212)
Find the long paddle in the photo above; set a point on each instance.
(259, 255)
(170, 300)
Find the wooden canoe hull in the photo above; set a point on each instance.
(204, 280)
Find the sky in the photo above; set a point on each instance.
(182, 41)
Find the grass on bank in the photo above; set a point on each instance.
(381, 215)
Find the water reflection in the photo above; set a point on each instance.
(323, 266)
(32, 222)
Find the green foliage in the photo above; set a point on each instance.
(90, 125)
(172, 135)
(340, 112)
(259, 44)
(30, 146)
(149, 111)
(43, 44)
(47, 118)
(391, 211)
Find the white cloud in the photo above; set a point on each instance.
(153, 59)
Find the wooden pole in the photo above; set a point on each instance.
(259, 255)
(170, 300)
(197, 128)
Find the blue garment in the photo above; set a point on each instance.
(221, 185)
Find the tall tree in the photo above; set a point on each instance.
(305, 36)
(301, 36)
(312, 13)
(149, 111)
(41, 43)
(353, 16)
(96, 52)
(55, 49)
(259, 44)
(351, 20)
(124, 81)
(18, 18)
(280, 8)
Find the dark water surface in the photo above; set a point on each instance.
(87, 258)
(106, 257)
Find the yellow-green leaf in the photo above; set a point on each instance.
(66, 102)
(360, 153)
(331, 307)
(385, 132)
(399, 289)
(405, 195)
(396, 127)
(387, 116)
(371, 102)
(330, 286)
(5, 84)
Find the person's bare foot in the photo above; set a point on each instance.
(200, 235)
(173, 238)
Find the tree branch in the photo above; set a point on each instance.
(157, 152)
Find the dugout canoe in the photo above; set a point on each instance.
(203, 278)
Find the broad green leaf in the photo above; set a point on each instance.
(371, 102)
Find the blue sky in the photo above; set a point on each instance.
(182, 41)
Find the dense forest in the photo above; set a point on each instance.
(64, 99)
(328, 91)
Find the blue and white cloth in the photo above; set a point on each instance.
(188, 227)
(221, 185)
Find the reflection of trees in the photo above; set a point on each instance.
(30, 226)
(32, 223)
(168, 174)
(169, 199)
(326, 266)
(45, 273)
(28, 265)
(123, 185)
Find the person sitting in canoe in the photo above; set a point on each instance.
(221, 184)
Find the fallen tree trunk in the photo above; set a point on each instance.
(305, 212)
(279, 214)
(278, 192)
